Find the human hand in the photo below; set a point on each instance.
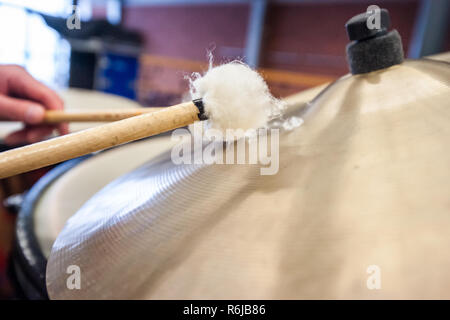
(23, 98)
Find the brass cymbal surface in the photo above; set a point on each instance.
(364, 181)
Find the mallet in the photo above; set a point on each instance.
(231, 96)
(76, 144)
(93, 115)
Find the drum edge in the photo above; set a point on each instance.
(27, 254)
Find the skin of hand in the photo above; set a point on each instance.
(23, 98)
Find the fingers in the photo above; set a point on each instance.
(30, 113)
(21, 110)
(29, 134)
(23, 85)
(36, 98)
(63, 128)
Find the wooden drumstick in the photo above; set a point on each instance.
(74, 145)
(102, 115)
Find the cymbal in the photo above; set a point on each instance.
(364, 181)
(358, 208)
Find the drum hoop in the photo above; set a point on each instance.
(29, 253)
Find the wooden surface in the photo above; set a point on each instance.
(162, 75)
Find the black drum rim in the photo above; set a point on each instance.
(26, 250)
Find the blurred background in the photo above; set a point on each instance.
(144, 49)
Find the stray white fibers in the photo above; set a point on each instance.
(235, 97)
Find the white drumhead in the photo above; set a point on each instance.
(70, 191)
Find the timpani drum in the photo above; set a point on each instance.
(57, 196)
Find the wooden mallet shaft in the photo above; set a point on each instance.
(102, 115)
(74, 145)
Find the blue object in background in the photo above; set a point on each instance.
(117, 74)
